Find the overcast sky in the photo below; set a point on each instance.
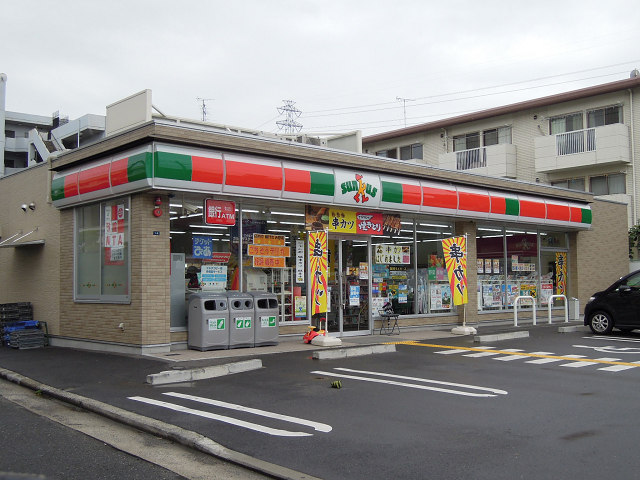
(343, 63)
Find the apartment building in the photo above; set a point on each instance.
(27, 139)
(583, 140)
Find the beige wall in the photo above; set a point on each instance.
(146, 320)
(31, 273)
(599, 256)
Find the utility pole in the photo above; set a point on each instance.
(404, 107)
(289, 125)
(203, 106)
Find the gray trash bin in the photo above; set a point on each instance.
(208, 321)
(241, 320)
(267, 318)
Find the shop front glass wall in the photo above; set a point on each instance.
(258, 253)
(433, 288)
(520, 262)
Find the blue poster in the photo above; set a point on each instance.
(202, 246)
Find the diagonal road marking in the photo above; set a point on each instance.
(618, 368)
(320, 427)
(233, 421)
(411, 385)
(552, 358)
(450, 352)
(509, 358)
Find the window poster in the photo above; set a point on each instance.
(114, 234)
(440, 297)
(487, 265)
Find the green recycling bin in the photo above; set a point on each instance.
(208, 321)
(241, 319)
(267, 314)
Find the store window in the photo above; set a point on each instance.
(522, 265)
(491, 268)
(393, 273)
(102, 263)
(433, 289)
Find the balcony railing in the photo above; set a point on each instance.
(578, 141)
(473, 158)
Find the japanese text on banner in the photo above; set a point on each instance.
(319, 271)
(455, 258)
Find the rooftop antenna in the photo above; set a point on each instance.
(203, 106)
(289, 125)
(404, 107)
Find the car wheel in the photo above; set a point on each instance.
(601, 323)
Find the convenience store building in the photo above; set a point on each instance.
(162, 208)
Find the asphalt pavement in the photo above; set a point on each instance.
(89, 379)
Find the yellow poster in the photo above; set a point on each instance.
(561, 273)
(455, 258)
(318, 270)
(342, 221)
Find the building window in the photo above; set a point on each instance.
(466, 142)
(572, 184)
(102, 265)
(604, 116)
(411, 152)
(496, 136)
(389, 153)
(608, 184)
(565, 123)
(10, 134)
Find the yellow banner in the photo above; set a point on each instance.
(561, 273)
(318, 271)
(455, 258)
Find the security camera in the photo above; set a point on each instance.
(24, 207)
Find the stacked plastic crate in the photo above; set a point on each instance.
(18, 328)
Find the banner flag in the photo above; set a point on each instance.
(318, 270)
(455, 258)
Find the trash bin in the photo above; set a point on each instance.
(267, 318)
(241, 319)
(208, 321)
(574, 309)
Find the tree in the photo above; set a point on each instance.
(634, 238)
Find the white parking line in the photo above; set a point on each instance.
(233, 421)
(494, 392)
(320, 427)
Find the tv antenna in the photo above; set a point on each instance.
(404, 107)
(203, 106)
(289, 125)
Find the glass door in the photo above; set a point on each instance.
(349, 312)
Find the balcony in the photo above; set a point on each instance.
(606, 145)
(494, 160)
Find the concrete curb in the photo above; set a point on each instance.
(573, 328)
(191, 375)
(156, 427)
(500, 336)
(352, 351)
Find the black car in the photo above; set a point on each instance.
(616, 307)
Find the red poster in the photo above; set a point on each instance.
(369, 223)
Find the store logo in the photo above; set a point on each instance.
(363, 190)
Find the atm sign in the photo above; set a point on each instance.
(219, 212)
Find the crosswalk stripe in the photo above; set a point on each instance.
(584, 364)
(543, 360)
(450, 352)
(481, 354)
(508, 358)
(618, 368)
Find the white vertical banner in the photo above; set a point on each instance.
(299, 261)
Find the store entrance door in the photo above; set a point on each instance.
(349, 260)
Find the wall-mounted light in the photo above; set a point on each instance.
(32, 206)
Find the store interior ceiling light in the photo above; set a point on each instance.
(209, 234)
(436, 225)
(288, 213)
(219, 227)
